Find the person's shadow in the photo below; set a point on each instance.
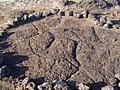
(11, 59)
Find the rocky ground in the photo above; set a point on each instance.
(60, 45)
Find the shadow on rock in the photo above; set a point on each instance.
(97, 85)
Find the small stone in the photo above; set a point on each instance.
(108, 88)
(19, 86)
(85, 14)
(25, 17)
(119, 84)
(45, 86)
(77, 15)
(69, 13)
(117, 76)
(107, 26)
(10, 23)
(116, 26)
(31, 16)
(103, 19)
(6, 26)
(25, 81)
(46, 13)
(30, 86)
(37, 14)
(82, 87)
(54, 11)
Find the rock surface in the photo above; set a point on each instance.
(57, 45)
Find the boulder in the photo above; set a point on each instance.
(85, 14)
(11, 23)
(81, 86)
(46, 13)
(103, 19)
(37, 14)
(116, 26)
(117, 76)
(54, 11)
(77, 15)
(107, 25)
(45, 86)
(25, 17)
